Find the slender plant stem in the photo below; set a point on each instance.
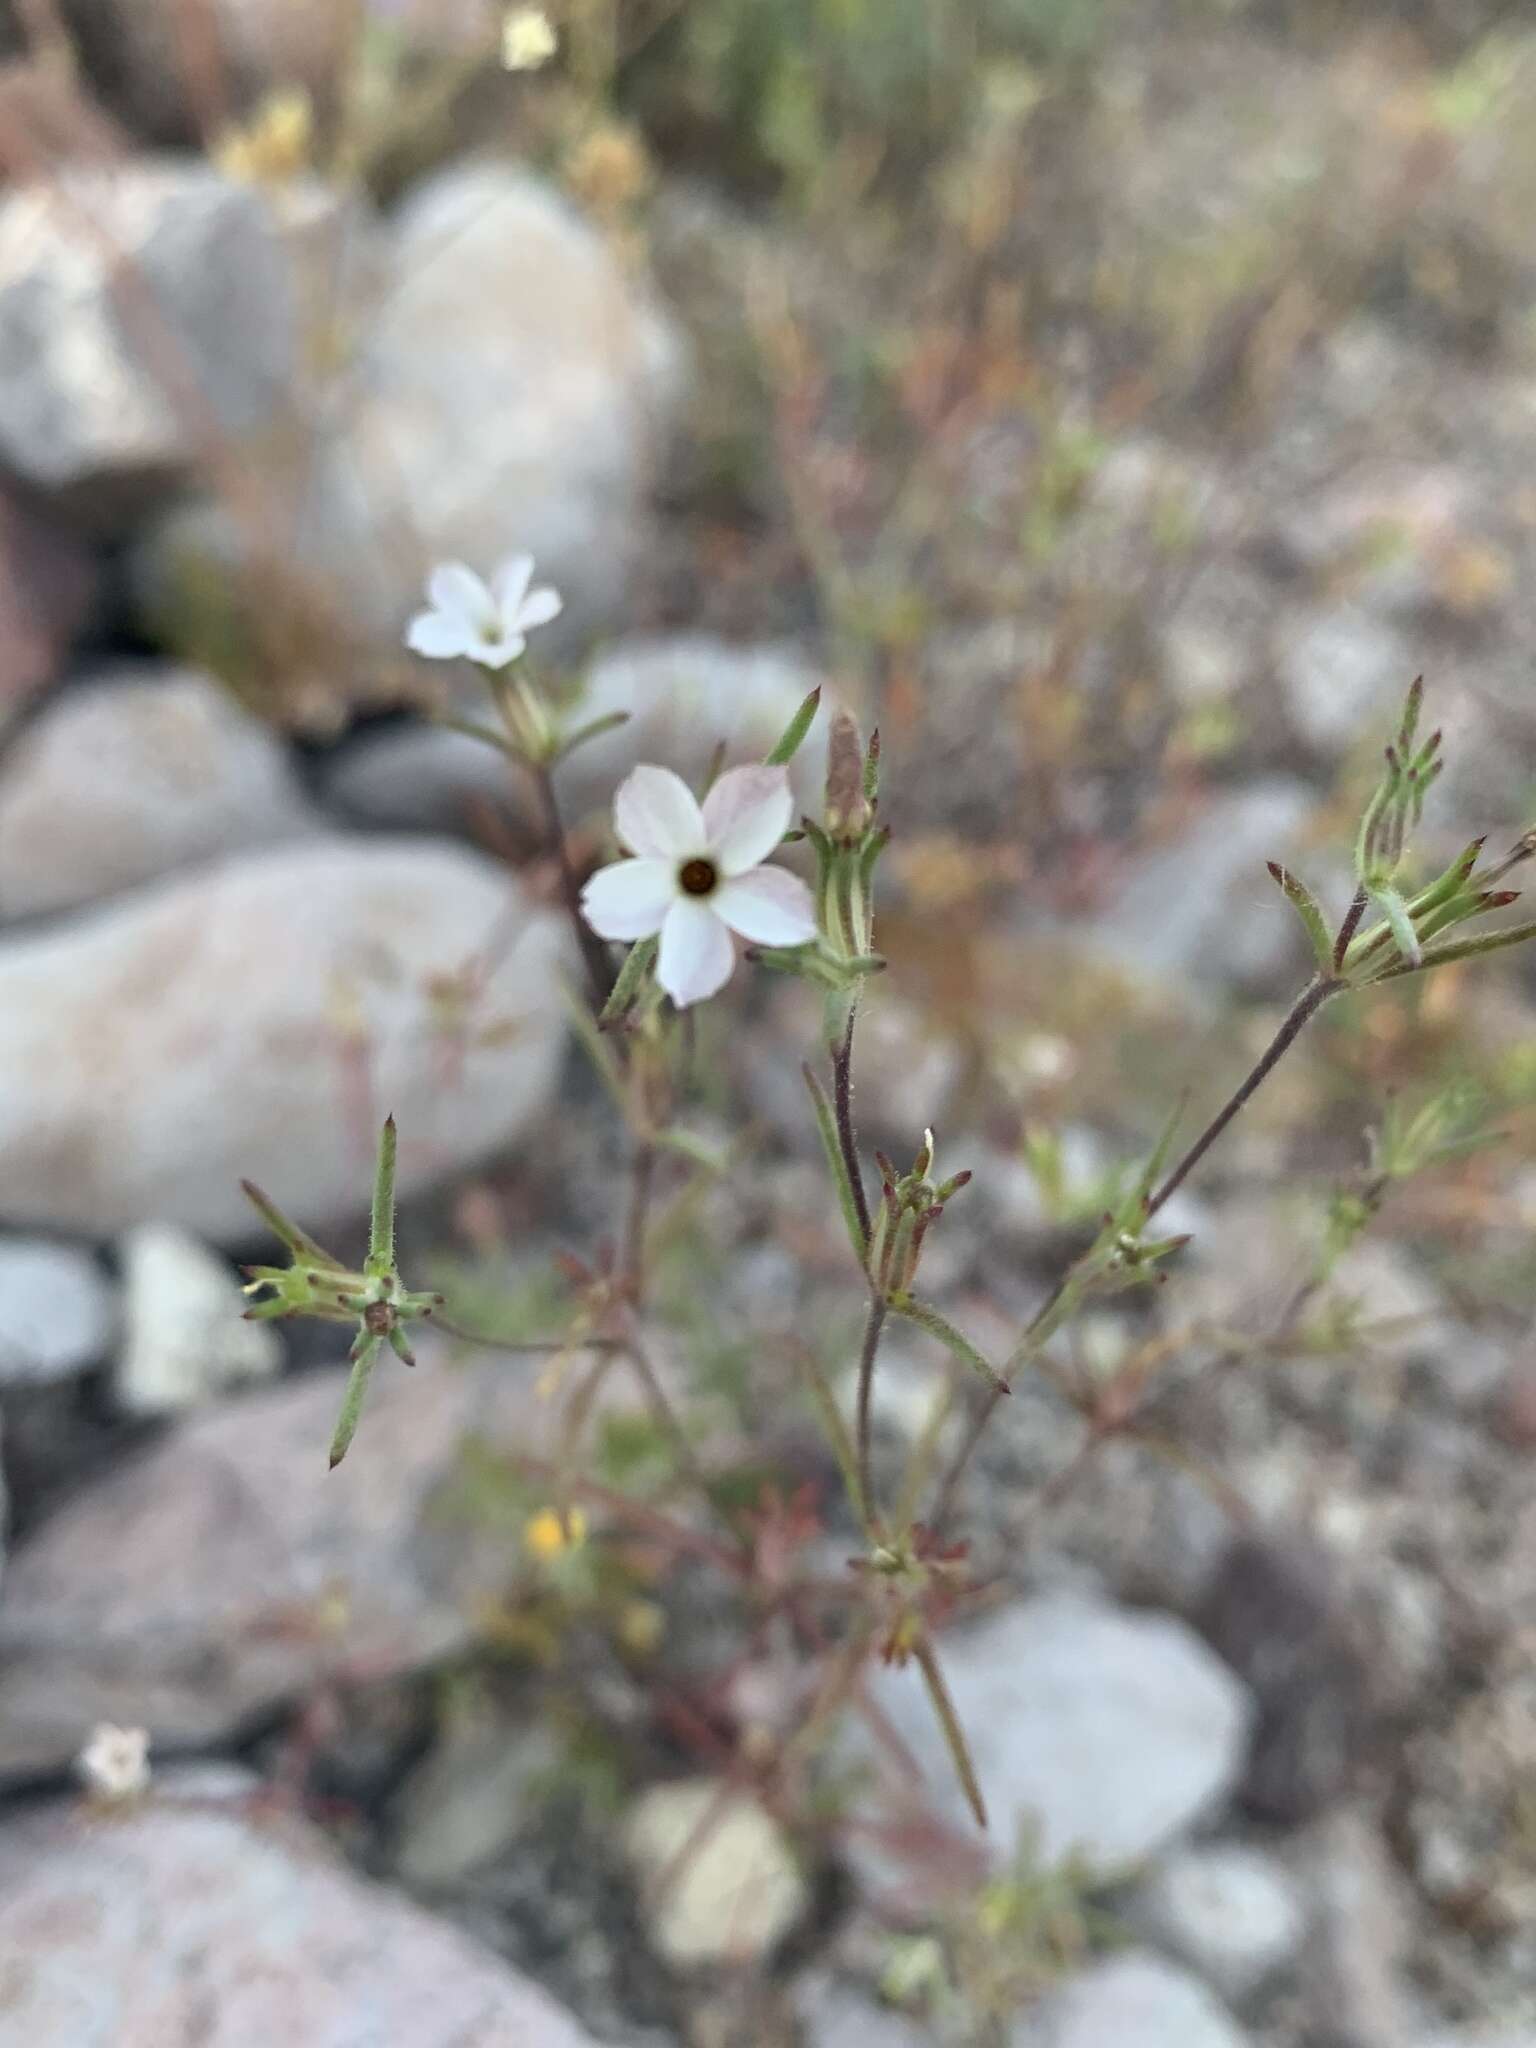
(1301, 1012)
(842, 1080)
(533, 1347)
(864, 1431)
(665, 1414)
(1349, 927)
(642, 1180)
(594, 954)
(1305, 1007)
(984, 1411)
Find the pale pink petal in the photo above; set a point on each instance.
(454, 588)
(509, 585)
(770, 906)
(540, 606)
(440, 636)
(656, 816)
(747, 813)
(696, 954)
(629, 899)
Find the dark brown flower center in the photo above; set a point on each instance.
(698, 877)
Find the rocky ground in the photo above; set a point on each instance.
(1126, 467)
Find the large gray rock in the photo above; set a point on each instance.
(193, 1919)
(221, 1025)
(187, 1337)
(135, 773)
(226, 1570)
(1131, 2001)
(57, 1314)
(1202, 906)
(685, 695)
(1107, 1732)
(140, 308)
(509, 393)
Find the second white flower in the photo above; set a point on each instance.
(697, 875)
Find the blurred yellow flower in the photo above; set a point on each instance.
(548, 1533)
(275, 145)
(527, 39)
(642, 1624)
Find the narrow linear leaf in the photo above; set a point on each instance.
(381, 1230)
(827, 1126)
(949, 1722)
(1464, 949)
(304, 1248)
(366, 1358)
(1152, 1172)
(1305, 904)
(794, 733)
(928, 1318)
(593, 729)
(1395, 911)
(594, 1045)
(838, 1439)
(638, 962)
(473, 730)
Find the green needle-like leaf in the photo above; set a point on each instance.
(949, 1721)
(381, 1230)
(593, 729)
(928, 1318)
(365, 1356)
(1305, 904)
(638, 962)
(794, 733)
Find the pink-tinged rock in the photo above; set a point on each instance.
(192, 1919)
(226, 1570)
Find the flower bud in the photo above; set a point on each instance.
(850, 812)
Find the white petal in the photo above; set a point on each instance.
(769, 906)
(495, 653)
(747, 813)
(440, 636)
(456, 589)
(655, 815)
(629, 899)
(539, 607)
(509, 585)
(696, 954)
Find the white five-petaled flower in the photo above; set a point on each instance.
(115, 1762)
(698, 875)
(488, 622)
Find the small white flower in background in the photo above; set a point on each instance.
(488, 622)
(115, 1763)
(698, 875)
(527, 39)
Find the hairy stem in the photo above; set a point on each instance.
(595, 955)
(842, 1080)
(665, 1415)
(864, 1414)
(1301, 1012)
(642, 1179)
(1305, 1007)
